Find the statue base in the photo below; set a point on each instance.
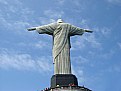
(68, 88)
(60, 80)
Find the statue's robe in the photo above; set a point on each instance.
(61, 33)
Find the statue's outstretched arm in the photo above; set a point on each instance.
(31, 29)
(89, 31)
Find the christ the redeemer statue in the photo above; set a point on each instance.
(61, 33)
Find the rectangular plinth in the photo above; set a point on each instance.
(68, 88)
(60, 80)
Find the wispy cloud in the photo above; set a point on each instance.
(104, 31)
(45, 21)
(3, 2)
(61, 2)
(36, 45)
(79, 74)
(80, 3)
(24, 62)
(107, 55)
(80, 60)
(51, 16)
(53, 13)
(119, 44)
(93, 41)
(78, 43)
(84, 23)
(114, 1)
(16, 26)
(14, 16)
(115, 68)
(90, 38)
(78, 69)
(41, 44)
(85, 40)
(104, 55)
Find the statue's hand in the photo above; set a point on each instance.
(89, 31)
(31, 29)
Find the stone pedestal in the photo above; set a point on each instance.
(60, 80)
(71, 89)
(65, 82)
(68, 88)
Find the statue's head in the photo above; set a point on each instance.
(59, 21)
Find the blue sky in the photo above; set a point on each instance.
(26, 57)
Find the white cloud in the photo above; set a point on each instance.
(53, 13)
(19, 25)
(78, 43)
(114, 68)
(36, 45)
(93, 41)
(85, 41)
(4, 22)
(104, 31)
(42, 44)
(119, 44)
(79, 74)
(107, 55)
(7, 2)
(114, 1)
(61, 2)
(77, 67)
(9, 60)
(80, 60)
(90, 38)
(3, 2)
(44, 64)
(84, 23)
(44, 20)
(79, 3)
(16, 26)
(14, 16)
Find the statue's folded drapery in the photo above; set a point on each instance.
(61, 33)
